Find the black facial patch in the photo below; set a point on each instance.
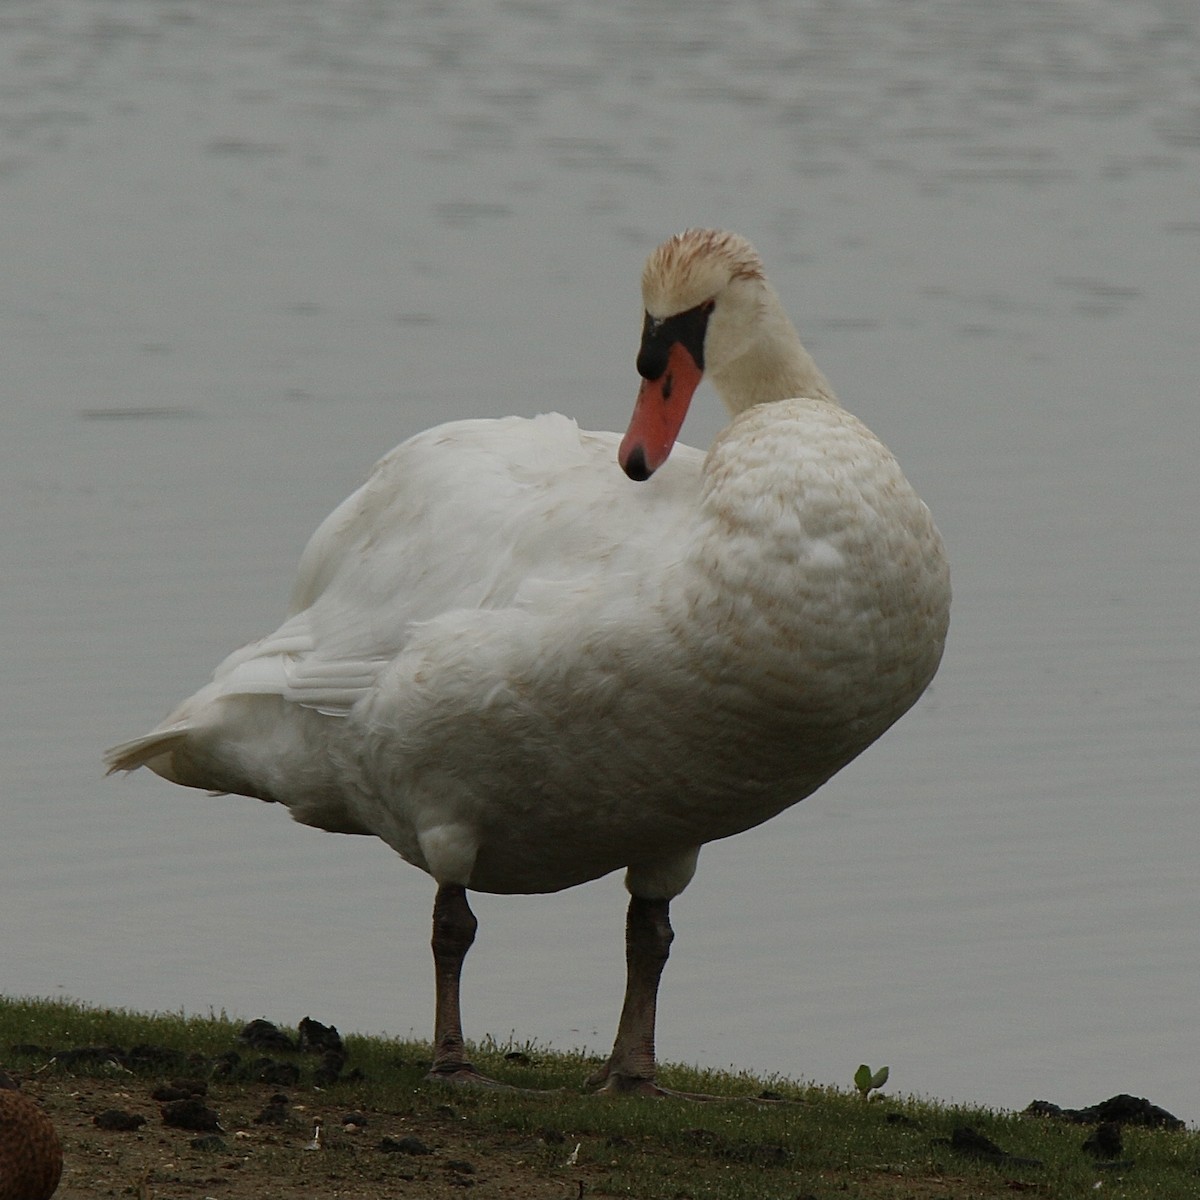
(659, 335)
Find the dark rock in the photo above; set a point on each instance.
(330, 1069)
(1042, 1108)
(404, 1145)
(263, 1035)
(29, 1050)
(461, 1166)
(156, 1058)
(269, 1070)
(1105, 1142)
(179, 1089)
(277, 1112)
(118, 1121)
(90, 1056)
(519, 1057)
(226, 1065)
(209, 1143)
(316, 1038)
(357, 1119)
(191, 1114)
(1122, 1109)
(1132, 1110)
(970, 1142)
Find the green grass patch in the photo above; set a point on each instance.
(811, 1143)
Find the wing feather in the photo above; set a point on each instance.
(471, 516)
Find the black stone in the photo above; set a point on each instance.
(118, 1121)
(191, 1114)
(404, 1145)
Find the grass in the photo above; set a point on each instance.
(814, 1144)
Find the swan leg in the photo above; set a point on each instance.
(454, 926)
(630, 1069)
(648, 937)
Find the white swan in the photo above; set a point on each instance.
(523, 669)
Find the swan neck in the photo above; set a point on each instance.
(775, 367)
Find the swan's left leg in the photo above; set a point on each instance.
(648, 936)
(630, 1068)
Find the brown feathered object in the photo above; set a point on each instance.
(31, 1159)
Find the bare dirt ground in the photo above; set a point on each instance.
(434, 1153)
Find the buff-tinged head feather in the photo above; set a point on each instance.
(694, 266)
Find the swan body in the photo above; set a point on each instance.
(523, 669)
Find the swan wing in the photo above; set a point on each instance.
(470, 516)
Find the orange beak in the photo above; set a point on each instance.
(662, 404)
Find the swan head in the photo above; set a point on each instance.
(705, 296)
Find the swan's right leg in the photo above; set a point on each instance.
(454, 926)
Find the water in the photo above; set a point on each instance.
(248, 248)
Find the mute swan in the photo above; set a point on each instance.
(521, 670)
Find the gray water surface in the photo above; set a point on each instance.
(247, 248)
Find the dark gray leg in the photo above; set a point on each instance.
(454, 926)
(648, 937)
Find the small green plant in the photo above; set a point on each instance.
(867, 1081)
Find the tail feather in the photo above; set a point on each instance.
(140, 752)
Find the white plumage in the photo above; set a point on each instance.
(522, 669)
